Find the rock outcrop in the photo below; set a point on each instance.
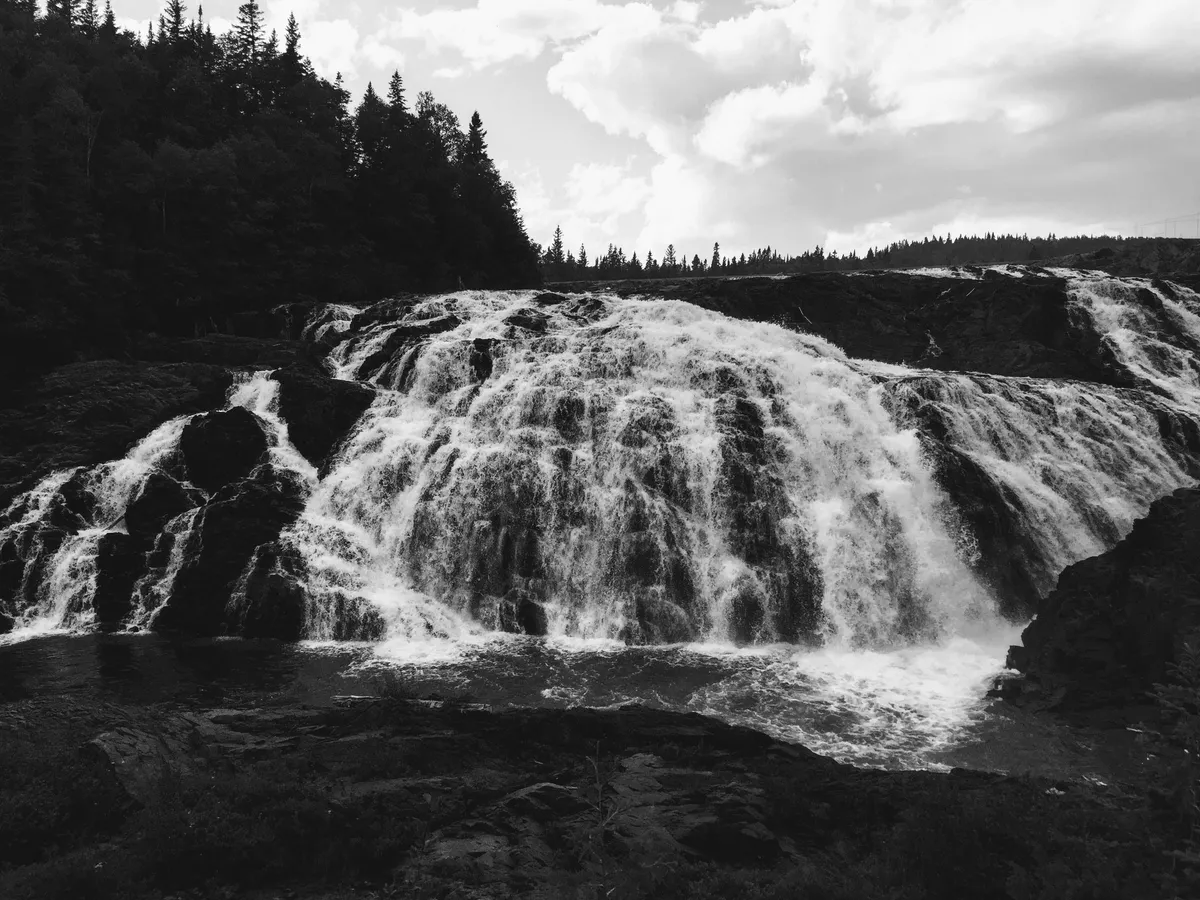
(160, 500)
(1109, 631)
(220, 447)
(319, 409)
(235, 522)
(993, 323)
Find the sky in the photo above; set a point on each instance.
(794, 123)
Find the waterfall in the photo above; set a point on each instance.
(1151, 328)
(61, 569)
(643, 469)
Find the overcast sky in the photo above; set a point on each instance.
(793, 123)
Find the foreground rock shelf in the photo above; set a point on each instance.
(370, 797)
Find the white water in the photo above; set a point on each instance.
(397, 522)
(64, 594)
(608, 438)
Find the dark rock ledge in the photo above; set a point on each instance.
(1116, 622)
(410, 798)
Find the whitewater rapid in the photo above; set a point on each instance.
(742, 500)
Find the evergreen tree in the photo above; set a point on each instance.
(293, 64)
(371, 127)
(583, 257)
(475, 149)
(247, 35)
(89, 19)
(62, 12)
(396, 98)
(173, 23)
(716, 257)
(108, 29)
(555, 253)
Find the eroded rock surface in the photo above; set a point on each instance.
(1115, 622)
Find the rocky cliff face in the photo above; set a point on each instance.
(1115, 622)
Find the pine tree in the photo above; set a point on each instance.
(63, 12)
(89, 19)
(173, 24)
(716, 257)
(583, 257)
(247, 34)
(108, 29)
(370, 126)
(396, 95)
(293, 64)
(556, 247)
(669, 259)
(475, 150)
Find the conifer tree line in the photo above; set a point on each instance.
(169, 181)
(562, 264)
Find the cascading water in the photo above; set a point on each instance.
(644, 470)
(1151, 328)
(60, 533)
(805, 532)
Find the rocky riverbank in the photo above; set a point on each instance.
(1117, 622)
(390, 796)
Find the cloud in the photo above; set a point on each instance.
(497, 31)
(965, 112)
(794, 122)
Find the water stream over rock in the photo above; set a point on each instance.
(598, 472)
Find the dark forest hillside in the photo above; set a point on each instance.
(171, 181)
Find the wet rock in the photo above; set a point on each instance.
(270, 603)
(1115, 623)
(120, 562)
(529, 319)
(12, 569)
(402, 337)
(235, 522)
(385, 311)
(659, 621)
(7, 622)
(520, 612)
(569, 416)
(548, 298)
(319, 410)
(160, 500)
(1009, 561)
(220, 447)
(480, 359)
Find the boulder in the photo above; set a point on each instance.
(120, 562)
(270, 602)
(520, 612)
(221, 447)
(1116, 622)
(319, 410)
(528, 319)
(236, 521)
(7, 622)
(402, 337)
(160, 500)
(480, 358)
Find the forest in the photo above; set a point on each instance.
(561, 264)
(167, 181)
